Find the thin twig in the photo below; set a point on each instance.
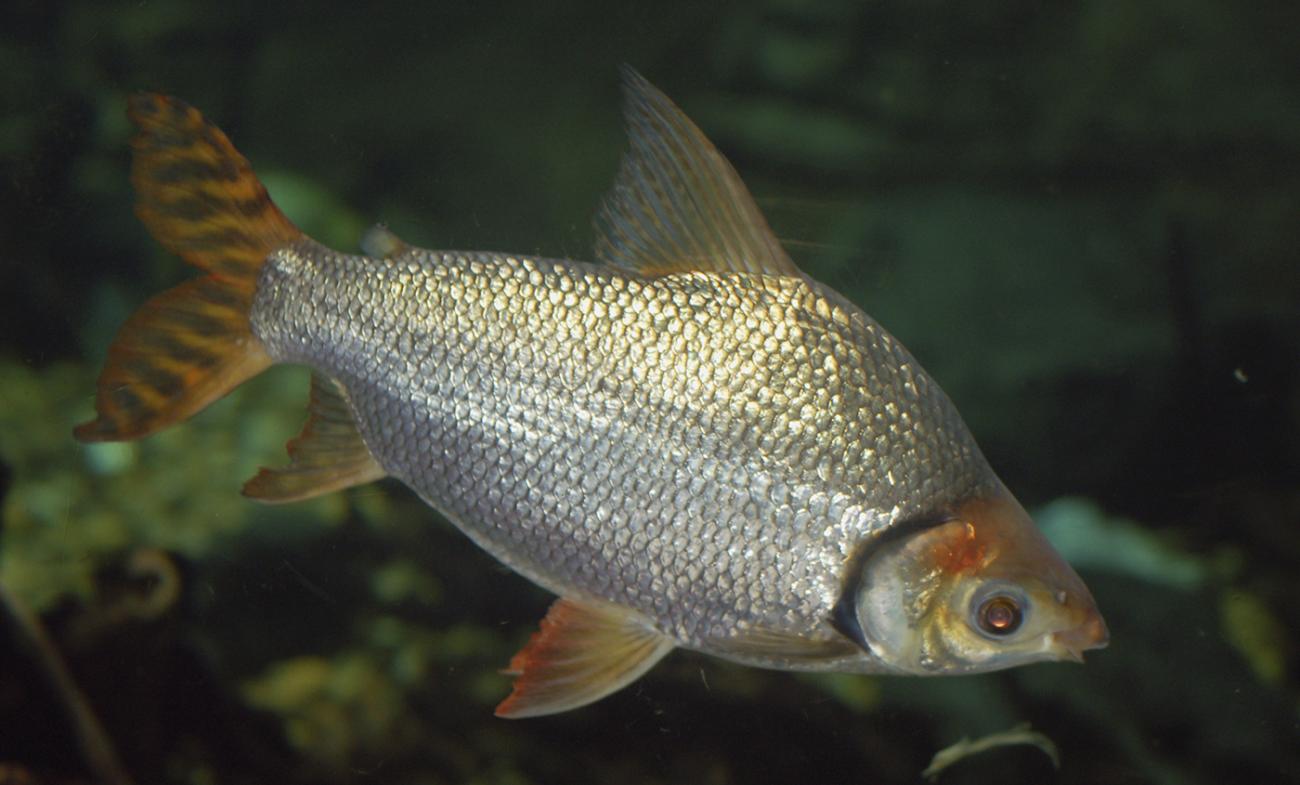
(92, 741)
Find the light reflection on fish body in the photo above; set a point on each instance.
(689, 440)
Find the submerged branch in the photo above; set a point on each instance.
(96, 749)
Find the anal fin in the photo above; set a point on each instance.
(328, 455)
(583, 652)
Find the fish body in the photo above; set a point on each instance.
(689, 440)
(706, 449)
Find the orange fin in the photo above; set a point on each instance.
(328, 455)
(179, 352)
(583, 652)
(190, 345)
(198, 196)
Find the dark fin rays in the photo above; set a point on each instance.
(327, 456)
(583, 652)
(190, 345)
(198, 196)
(182, 350)
(677, 205)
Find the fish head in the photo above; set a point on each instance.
(981, 590)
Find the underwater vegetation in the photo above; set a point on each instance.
(1081, 219)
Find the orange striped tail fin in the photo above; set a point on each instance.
(190, 345)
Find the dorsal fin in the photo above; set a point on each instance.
(329, 454)
(583, 652)
(677, 205)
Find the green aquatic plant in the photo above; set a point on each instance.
(71, 507)
(1256, 632)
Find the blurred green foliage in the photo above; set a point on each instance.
(73, 507)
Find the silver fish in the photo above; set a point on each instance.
(690, 441)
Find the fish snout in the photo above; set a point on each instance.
(1091, 634)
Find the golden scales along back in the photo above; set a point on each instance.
(689, 440)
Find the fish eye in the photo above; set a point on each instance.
(999, 614)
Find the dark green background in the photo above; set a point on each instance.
(1081, 217)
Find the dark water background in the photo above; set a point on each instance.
(1081, 217)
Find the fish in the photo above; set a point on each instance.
(688, 440)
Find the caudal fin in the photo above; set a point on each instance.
(190, 345)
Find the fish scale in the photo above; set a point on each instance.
(682, 445)
(690, 441)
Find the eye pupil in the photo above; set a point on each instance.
(999, 616)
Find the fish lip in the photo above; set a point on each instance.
(1072, 643)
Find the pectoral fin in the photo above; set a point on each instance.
(328, 455)
(583, 652)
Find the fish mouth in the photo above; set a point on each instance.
(1091, 634)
